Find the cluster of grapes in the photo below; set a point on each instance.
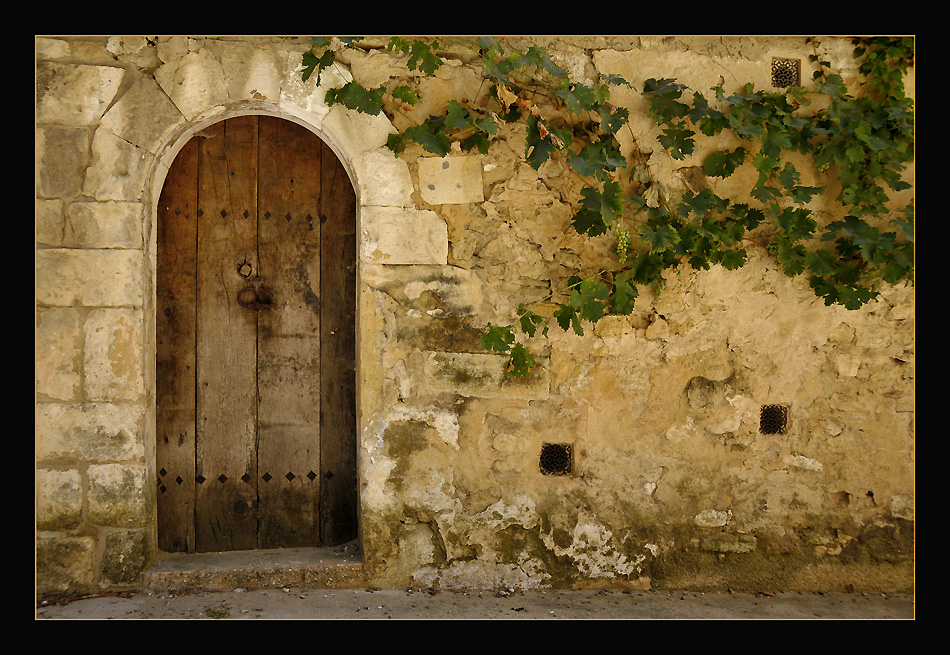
(623, 242)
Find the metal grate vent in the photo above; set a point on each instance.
(786, 73)
(773, 419)
(556, 459)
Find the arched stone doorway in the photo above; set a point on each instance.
(255, 325)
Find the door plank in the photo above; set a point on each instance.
(176, 290)
(289, 334)
(339, 502)
(227, 340)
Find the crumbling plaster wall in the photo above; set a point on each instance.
(673, 484)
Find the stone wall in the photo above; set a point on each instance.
(673, 482)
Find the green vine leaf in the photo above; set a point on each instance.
(353, 96)
(538, 145)
(598, 209)
(624, 295)
(529, 320)
(312, 63)
(724, 163)
(589, 299)
(499, 338)
(520, 362)
(659, 238)
(421, 55)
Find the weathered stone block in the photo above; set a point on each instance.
(105, 224)
(118, 169)
(479, 375)
(124, 559)
(49, 223)
(112, 358)
(393, 235)
(451, 180)
(74, 95)
(58, 499)
(143, 116)
(194, 82)
(62, 154)
(95, 432)
(90, 278)
(64, 564)
(384, 179)
(58, 341)
(117, 495)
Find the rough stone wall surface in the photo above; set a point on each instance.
(673, 484)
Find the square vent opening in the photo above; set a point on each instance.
(786, 73)
(557, 459)
(773, 419)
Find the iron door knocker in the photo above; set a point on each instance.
(255, 295)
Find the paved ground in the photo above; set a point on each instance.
(405, 604)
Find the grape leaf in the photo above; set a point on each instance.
(520, 361)
(529, 320)
(624, 294)
(498, 338)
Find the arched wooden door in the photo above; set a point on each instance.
(255, 372)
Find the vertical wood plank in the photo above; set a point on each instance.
(175, 352)
(227, 339)
(339, 502)
(289, 346)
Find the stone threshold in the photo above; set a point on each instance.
(337, 567)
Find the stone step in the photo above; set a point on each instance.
(338, 567)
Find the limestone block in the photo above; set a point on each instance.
(105, 224)
(451, 180)
(297, 94)
(58, 341)
(93, 432)
(49, 224)
(249, 72)
(62, 154)
(479, 375)
(729, 543)
(194, 82)
(64, 563)
(58, 499)
(112, 356)
(92, 278)
(384, 179)
(144, 116)
(74, 95)
(118, 170)
(124, 559)
(355, 133)
(395, 235)
(117, 495)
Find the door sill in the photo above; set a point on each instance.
(335, 567)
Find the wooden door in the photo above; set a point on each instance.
(255, 373)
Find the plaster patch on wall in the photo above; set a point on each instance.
(713, 518)
(802, 462)
(445, 422)
(592, 552)
(523, 513)
(483, 574)
(375, 495)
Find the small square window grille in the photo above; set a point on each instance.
(556, 459)
(773, 419)
(786, 73)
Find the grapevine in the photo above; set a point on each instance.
(863, 138)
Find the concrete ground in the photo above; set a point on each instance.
(327, 584)
(458, 605)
